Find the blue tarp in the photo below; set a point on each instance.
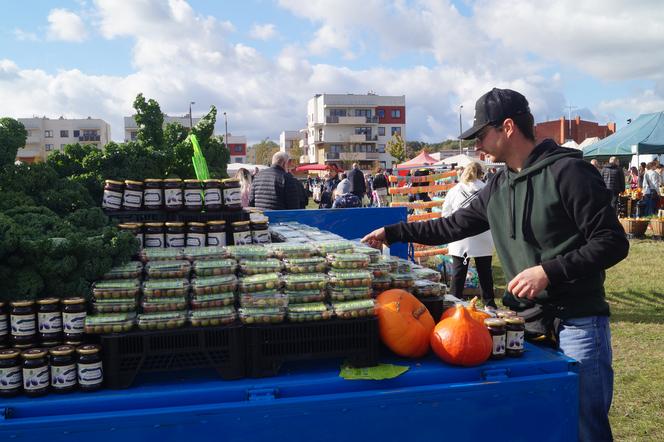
(645, 135)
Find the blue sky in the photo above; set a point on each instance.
(261, 60)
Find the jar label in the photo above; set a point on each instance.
(73, 322)
(10, 378)
(212, 196)
(261, 236)
(154, 240)
(4, 325)
(241, 238)
(193, 197)
(175, 240)
(133, 198)
(64, 376)
(50, 322)
(217, 239)
(515, 340)
(498, 344)
(90, 374)
(152, 197)
(195, 239)
(35, 378)
(173, 197)
(111, 200)
(23, 325)
(232, 196)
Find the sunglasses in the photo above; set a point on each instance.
(483, 133)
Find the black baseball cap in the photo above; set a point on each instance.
(494, 107)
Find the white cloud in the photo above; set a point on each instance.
(22, 35)
(65, 25)
(263, 32)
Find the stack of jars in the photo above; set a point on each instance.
(178, 234)
(507, 333)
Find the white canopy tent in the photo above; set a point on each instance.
(588, 141)
(460, 160)
(571, 144)
(232, 168)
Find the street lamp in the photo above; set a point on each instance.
(570, 107)
(191, 120)
(460, 127)
(226, 132)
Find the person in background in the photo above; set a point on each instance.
(422, 196)
(274, 188)
(595, 163)
(344, 197)
(633, 178)
(380, 186)
(256, 170)
(368, 181)
(479, 247)
(358, 185)
(327, 191)
(651, 183)
(642, 172)
(614, 178)
(659, 168)
(245, 185)
(490, 174)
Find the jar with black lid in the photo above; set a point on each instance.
(153, 235)
(260, 233)
(49, 321)
(496, 328)
(516, 327)
(216, 233)
(11, 376)
(89, 368)
(196, 235)
(212, 195)
(133, 195)
(175, 236)
(135, 229)
(4, 325)
(153, 194)
(193, 195)
(173, 194)
(232, 194)
(73, 320)
(24, 324)
(63, 369)
(36, 380)
(113, 191)
(241, 233)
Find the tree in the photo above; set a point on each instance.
(150, 121)
(397, 148)
(12, 138)
(264, 150)
(295, 154)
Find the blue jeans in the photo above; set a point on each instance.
(588, 340)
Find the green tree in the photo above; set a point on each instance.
(150, 121)
(397, 148)
(264, 150)
(295, 154)
(12, 138)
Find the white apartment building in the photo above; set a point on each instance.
(289, 139)
(347, 128)
(47, 135)
(131, 128)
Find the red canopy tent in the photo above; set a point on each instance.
(422, 159)
(316, 167)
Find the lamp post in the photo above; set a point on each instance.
(226, 133)
(460, 127)
(570, 107)
(191, 120)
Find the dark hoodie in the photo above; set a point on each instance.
(555, 212)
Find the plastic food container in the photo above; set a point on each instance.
(302, 296)
(159, 254)
(212, 317)
(255, 253)
(315, 311)
(426, 273)
(213, 284)
(121, 305)
(374, 254)
(402, 281)
(130, 270)
(164, 304)
(348, 261)
(156, 288)
(213, 300)
(215, 267)
(288, 251)
(269, 265)
(379, 269)
(109, 323)
(268, 298)
(205, 253)
(315, 264)
(354, 309)
(335, 246)
(260, 283)
(116, 289)
(161, 321)
(382, 283)
(424, 288)
(404, 266)
(349, 294)
(350, 279)
(393, 263)
(252, 315)
(168, 269)
(305, 281)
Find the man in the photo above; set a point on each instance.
(555, 233)
(274, 188)
(344, 198)
(595, 163)
(358, 187)
(614, 178)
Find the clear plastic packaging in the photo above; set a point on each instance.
(335, 246)
(360, 278)
(402, 281)
(303, 296)
(161, 321)
(213, 300)
(116, 288)
(289, 250)
(109, 323)
(348, 261)
(213, 284)
(260, 283)
(315, 311)
(159, 254)
(374, 254)
(349, 294)
(379, 269)
(404, 266)
(426, 273)
(268, 298)
(121, 305)
(215, 267)
(315, 264)
(164, 304)
(206, 253)
(269, 265)
(130, 270)
(424, 288)
(392, 261)
(156, 288)
(382, 283)
(354, 309)
(168, 269)
(262, 315)
(305, 281)
(212, 317)
(255, 253)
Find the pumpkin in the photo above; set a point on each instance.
(404, 322)
(461, 340)
(476, 314)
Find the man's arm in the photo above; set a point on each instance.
(292, 192)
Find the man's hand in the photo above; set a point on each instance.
(529, 283)
(375, 239)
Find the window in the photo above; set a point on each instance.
(337, 112)
(48, 147)
(237, 148)
(64, 134)
(48, 134)
(381, 113)
(396, 130)
(381, 148)
(381, 131)
(362, 131)
(133, 135)
(362, 112)
(396, 113)
(238, 159)
(77, 133)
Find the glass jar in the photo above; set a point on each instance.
(90, 372)
(196, 235)
(505, 313)
(175, 235)
(153, 194)
(193, 195)
(498, 333)
(173, 194)
(135, 229)
(241, 233)
(154, 235)
(73, 320)
(212, 195)
(516, 327)
(133, 195)
(63, 369)
(36, 380)
(232, 194)
(11, 376)
(260, 233)
(24, 324)
(49, 321)
(216, 233)
(113, 191)
(4, 325)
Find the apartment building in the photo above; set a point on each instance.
(237, 144)
(347, 128)
(131, 128)
(46, 135)
(291, 139)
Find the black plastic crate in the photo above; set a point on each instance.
(270, 345)
(125, 355)
(435, 305)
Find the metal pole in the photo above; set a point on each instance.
(460, 127)
(226, 132)
(191, 120)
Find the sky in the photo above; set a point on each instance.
(260, 60)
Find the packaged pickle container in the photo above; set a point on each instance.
(269, 265)
(379, 269)
(354, 309)
(206, 253)
(213, 284)
(302, 296)
(288, 251)
(349, 294)
(382, 283)
(305, 281)
(315, 311)
(116, 288)
(130, 270)
(161, 321)
(168, 269)
(260, 283)
(404, 266)
(255, 253)
(360, 278)
(315, 264)
(335, 246)
(109, 323)
(426, 273)
(424, 288)
(348, 261)
(215, 267)
(392, 261)
(155, 288)
(374, 254)
(159, 254)
(402, 281)
(164, 304)
(253, 315)
(212, 317)
(120, 305)
(213, 300)
(268, 298)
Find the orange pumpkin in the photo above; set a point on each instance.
(404, 322)
(461, 340)
(476, 314)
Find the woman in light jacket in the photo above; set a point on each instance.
(479, 247)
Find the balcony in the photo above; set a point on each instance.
(89, 138)
(33, 139)
(359, 156)
(332, 156)
(351, 120)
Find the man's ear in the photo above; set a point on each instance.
(509, 127)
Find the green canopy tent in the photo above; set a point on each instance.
(645, 135)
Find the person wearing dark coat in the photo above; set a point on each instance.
(614, 178)
(358, 186)
(276, 189)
